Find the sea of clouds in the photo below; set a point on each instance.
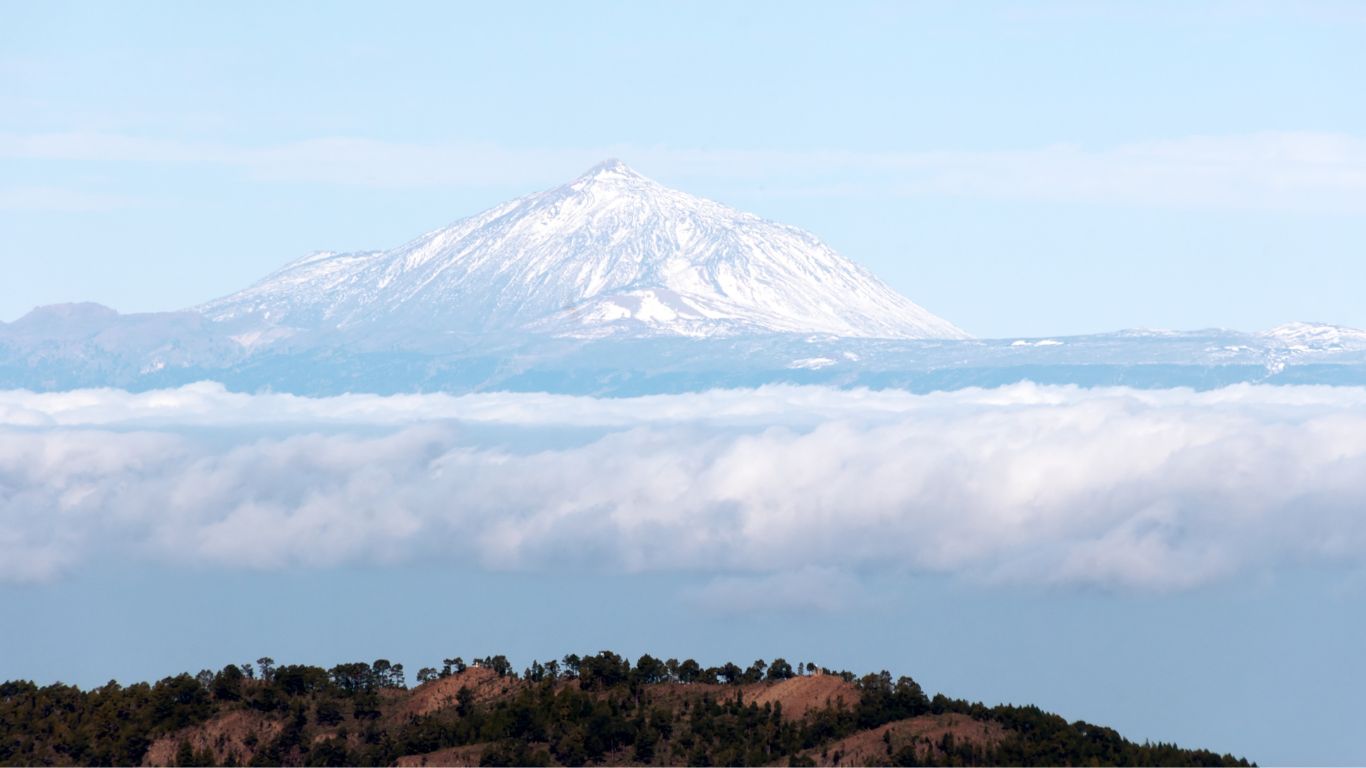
(790, 488)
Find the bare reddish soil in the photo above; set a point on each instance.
(226, 735)
(800, 695)
(924, 734)
(441, 694)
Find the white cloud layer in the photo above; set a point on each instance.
(791, 485)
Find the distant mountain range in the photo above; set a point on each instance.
(613, 284)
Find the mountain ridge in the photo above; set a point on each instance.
(598, 709)
(89, 346)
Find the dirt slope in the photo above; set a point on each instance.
(800, 695)
(225, 735)
(440, 694)
(924, 734)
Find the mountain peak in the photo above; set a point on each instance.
(612, 253)
(611, 168)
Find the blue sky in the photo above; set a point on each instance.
(1017, 168)
(1020, 169)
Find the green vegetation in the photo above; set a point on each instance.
(599, 709)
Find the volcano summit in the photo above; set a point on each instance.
(610, 254)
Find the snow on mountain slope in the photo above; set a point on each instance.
(612, 253)
(1306, 337)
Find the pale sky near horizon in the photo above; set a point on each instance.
(1020, 169)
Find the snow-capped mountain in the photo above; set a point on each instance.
(610, 254)
(615, 285)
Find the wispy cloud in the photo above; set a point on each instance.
(1057, 485)
(61, 199)
(1293, 171)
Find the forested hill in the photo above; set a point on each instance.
(594, 710)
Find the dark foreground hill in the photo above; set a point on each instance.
(596, 710)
